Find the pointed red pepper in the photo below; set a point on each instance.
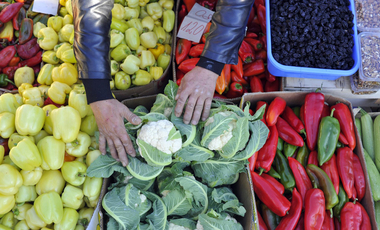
(287, 133)
(337, 224)
(189, 4)
(179, 76)
(188, 65)
(292, 119)
(181, 14)
(236, 78)
(252, 161)
(262, 225)
(14, 61)
(302, 114)
(256, 85)
(303, 182)
(238, 68)
(6, 55)
(343, 139)
(29, 49)
(18, 18)
(26, 30)
(328, 223)
(343, 114)
(251, 34)
(331, 169)
(268, 151)
(246, 52)
(196, 50)
(269, 77)
(9, 12)
(261, 14)
(256, 44)
(301, 223)
(36, 60)
(313, 158)
(182, 50)
(290, 221)
(275, 109)
(314, 103)
(235, 90)
(277, 185)
(262, 54)
(272, 86)
(314, 209)
(259, 104)
(351, 216)
(345, 163)
(326, 112)
(359, 178)
(366, 221)
(255, 68)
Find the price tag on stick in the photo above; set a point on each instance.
(194, 23)
(46, 6)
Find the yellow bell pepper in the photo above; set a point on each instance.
(168, 49)
(2, 151)
(118, 11)
(116, 38)
(143, 2)
(117, 24)
(131, 64)
(44, 90)
(51, 180)
(66, 73)
(36, 28)
(120, 52)
(141, 78)
(135, 23)
(156, 72)
(72, 197)
(160, 33)
(62, 47)
(8, 103)
(66, 123)
(45, 74)
(7, 160)
(66, 31)
(58, 91)
(146, 59)
(168, 20)
(23, 87)
(8, 220)
(132, 37)
(92, 156)
(131, 13)
(140, 49)
(47, 38)
(33, 220)
(29, 119)
(50, 57)
(68, 56)
(157, 51)
(6, 203)
(132, 3)
(78, 100)
(24, 75)
(79, 227)
(158, 23)
(69, 220)
(33, 96)
(112, 84)
(163, 61)
(49, 207)
(122, 81)
(18, 98)
(85, 215)
(114, 67)
(15, 138)
(55, 23)
(143, 12)
(10, 180)
(168, 38)
(71, 40)
(166, 4)
(48, 126)
(148, 39)
(39, 136)
(21, 225)
(31, 177)
(26, 194)
(52, 153)
(154, 10)
(62, 2)
(20, 210)
(91, 189)
(67, 19)
(79, 147)
(147, 24)
(7, 126)
(26, 155)
(74, 172)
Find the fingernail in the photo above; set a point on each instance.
(176, 97)
(203, 119)
(124, 164)
(186, 122)
(194, 122)
(136, 120)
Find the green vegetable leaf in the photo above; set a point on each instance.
(140, 110)
(104, 166)
(177, 203)
(184, 222)
(216, 126)
(158, 218)
(194, 153)
(258, 114)
(186, 130)
(153, 116)
(152, 155)
(223, 199)
(141, 184)
(212, 221)
(197, 189)
(239, 139)
(143, 171)
(112, 223)
(171, 90)
(163, 105)
(174, 134)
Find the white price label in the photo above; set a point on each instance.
(46, 6)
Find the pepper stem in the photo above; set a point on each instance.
(261, 171)
(331, 213)
(363, 112)
(81, 174)
(332, 112)
(355, 200)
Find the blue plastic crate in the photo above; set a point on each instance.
(281, 70)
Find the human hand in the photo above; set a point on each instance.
(197, 88)
(109, 116)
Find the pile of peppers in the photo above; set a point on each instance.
(307, 176)
(250, 74)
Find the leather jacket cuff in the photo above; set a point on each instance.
(97, 90)
(211, 65)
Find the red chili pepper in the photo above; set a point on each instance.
(287, 133)
(188, 65)
(261, 14)
(246, 52)
(256, 44)
(179, 77)
(26, 30)
(302, 114)
(343, 139)
(328, 222)
(252, 161)
(255, 68)
(301, 223)
(277, 185)
(29, 49)
(236, 78)
(189, 4)
(14, 61)
(276, 202)
(359, 178)
(256, 85)
(32, 61)
(275, 109)
(235, 90)
(313, 158)
(209, 4)
(290, 221)
(292, 119)
(259, 104)
(366, 221)
(351, 216)
(303, 182)
(331, 169)
(251, 34)
(196, 50)
(238, 68)
(6, 55)
(181, 14)
(312, 114)
(269, 77)
(9, 12)
(345, 158)
(343, 114)
(262, 225)
(182, 50)
(272, 86)
(48, 101)
(268, 151)
(314, 209)
(252, 15)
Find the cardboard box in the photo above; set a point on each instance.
(297, 99)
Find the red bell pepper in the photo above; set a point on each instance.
(196, 50)
(10, 71)
(189, 5)
(256, 44)
(287, 133)
(259, 104)
(359, 178)
(261, 14)
(337, 224)
(262, 54)
(32, 61)
(255, 68)
(251, 34)
(343, 139)
(345, 163)
(256, 85)
(48, 101)
(6, 55)
(262, 225)
(303, 182)
(366, 221)
(343, 114)
(9, 12)
(277, 185)
(272, 86)
(328, 223)
(29, 49)
(331, 169)
(238, 68)
(26, 30)
(313, 158)
(314, 209)
(236, 78)
(290, 221)
(14, 61)
(188, 65)
(246, 52)
(179, 76)
(252, 161)
(276, 202)
(312, 114)
(351, 216)
(268, 151)
(275, 109)
(326, 112)
(301, 223)
(181, 14)
(235, 90)
(302, 114)
(209, 4)
(292, 119)
(269, 77)
(182, 50)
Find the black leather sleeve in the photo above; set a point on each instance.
(227, 30)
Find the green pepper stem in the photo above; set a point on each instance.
(363, 112)
(332, 112)
(81, 174)
(331, 213)
(261, 171)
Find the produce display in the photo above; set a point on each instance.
(250, 74)
(306, 176)
(181, 176)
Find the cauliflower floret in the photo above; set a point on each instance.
(142, 198)
(218, 142)
(156, 134)
(199, 226)
(230, 218)
(176, 227)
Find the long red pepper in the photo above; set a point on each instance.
(366, 221)
(9, 12)
(36, 60)
(236, 78)
(359, 178)
(345, 163)
(343, 114)
(262, 225)
(268, 151)
(276, 202)
(269, 77)
(326, 112)
(259, 104)
(351, 216)
(29, 49)
(328, 223)
(238, 68)
(255, 68)
(337, 224)
(272, 86)
(182, 50)
(188, 65)
(303, 182)
(301, 223)
(312, 114)
(287, 133)
(261, 14)
(289, 222)
(6, 55)
(313, 158)
(252, 161)
(331, 169)
(292, 119)
(343, 139)
(256, 85)
(255, 43)
(302, 114)
(275, 183)
(275, 109)
(196, 50)
(314, 209)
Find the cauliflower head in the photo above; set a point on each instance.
(176, 227)
(162, 135)
(218, 142)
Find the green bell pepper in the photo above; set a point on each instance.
(122, 80)
(50, 57)
(21, 225)
(74, 172)
(69, 220)
(114, 67)
(120, 25)
(135, 23)
(160, 33)
(120, 52)
(33, 220)
(8, 220)
(343, 199)
(147, 59)
(303, 155)
(52, 153)
(163, 61)
(147, 24)
(329, 130)
(131, 64)
(26, 194)
(283, 168)
(148, 39)
(72, 197)
(51, 180)
(289, 149)
(31, 177)
(116, 38)
(168, 23)
(141, 78)
(143, 12)
(131, 13)
(132, 37)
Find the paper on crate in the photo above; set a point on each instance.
(46, 6)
